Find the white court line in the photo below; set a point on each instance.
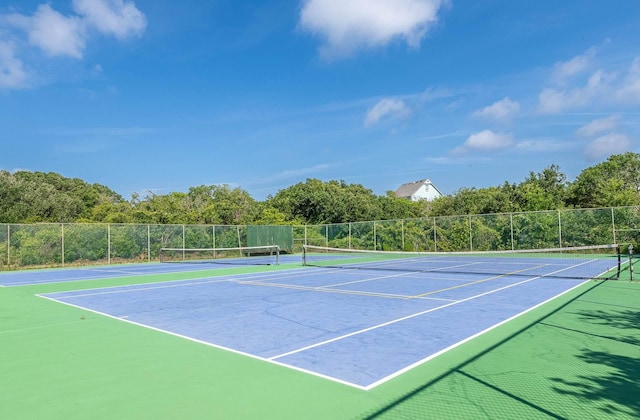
(253, 356)
(126, 289)
(418, 276)
(273, 360)
(364, 330)
(348, 283)
(551, 263)
(171, 284)
(241, 281)
(98, 277)
(92, 270)
(434, 269)
(461, 342)
(324, 289)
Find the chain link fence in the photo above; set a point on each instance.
(56, 245)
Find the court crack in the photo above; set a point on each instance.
(270, 312)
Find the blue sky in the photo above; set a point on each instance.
(160, 96)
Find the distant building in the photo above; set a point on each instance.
(418, 190)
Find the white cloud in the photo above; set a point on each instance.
(56, 34)
(554, 101)
(392, 108)
(570, 68)
(348, 25)
(433, 94)
(629, 92)
(502, 110)
(598, 126)
(569, 90)
(485, 141)
(12, 72)
(112, 17)
(541, 145)
(52, 32)
(607, 145)
(297, 173)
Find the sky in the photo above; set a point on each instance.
(157, 96)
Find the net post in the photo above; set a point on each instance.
(304, 254)
(630, 262)
(618, 249)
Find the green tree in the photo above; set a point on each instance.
(49, 197)
(476, 201)
(613, 183)
(161, 209)
(12, 208)
(269, 215)
(392, 207)
(546, 190)
(317, 202)
(233, 206)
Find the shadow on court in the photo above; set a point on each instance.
(618, 388)
(581, 360)
(620, 385)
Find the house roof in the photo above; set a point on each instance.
(410, 188)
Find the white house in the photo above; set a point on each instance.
(418, 190)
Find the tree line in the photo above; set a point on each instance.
(34, 197)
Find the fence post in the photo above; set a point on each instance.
(326, 236)
(214, 240)
(470, 235)
(435, 235)
(349, 235)
(148, 243)
(8, 245)
(375, 239)
(613, 225)
(62, 240)
(513, 245)
(109, 244)
(559, 229)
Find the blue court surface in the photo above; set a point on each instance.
(357, 327)
(59, 275)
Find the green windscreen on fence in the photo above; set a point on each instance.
(271, 235)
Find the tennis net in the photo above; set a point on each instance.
(585, 262)
(252, 255)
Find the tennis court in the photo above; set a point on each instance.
(389, 329)
(61, 275)
(357, 327)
